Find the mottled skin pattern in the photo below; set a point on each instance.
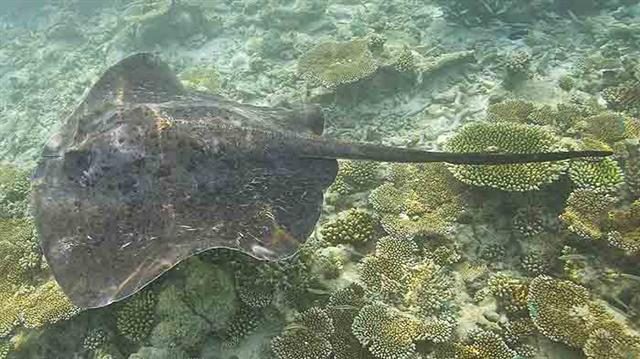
(144, 175)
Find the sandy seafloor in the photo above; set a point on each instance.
(562, 52)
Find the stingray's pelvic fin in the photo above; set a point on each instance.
(324, 148)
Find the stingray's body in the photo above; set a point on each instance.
(145, 174)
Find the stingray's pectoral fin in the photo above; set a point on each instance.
(139, 78)
(322, 148)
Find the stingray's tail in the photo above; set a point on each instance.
(326, 148)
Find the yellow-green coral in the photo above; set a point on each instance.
(564, 312)
(332, 64)
(603, 175)
(351, 226)
(585, 212)
(418, 200)
(27, 295)
(510, 111)
(608, 127)
(506, 137)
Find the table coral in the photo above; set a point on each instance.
(506, 138)
(386, 332)
(418, 200)
(332, 64)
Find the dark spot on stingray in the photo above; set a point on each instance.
(145, 174)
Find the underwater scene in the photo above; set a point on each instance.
(319, 179)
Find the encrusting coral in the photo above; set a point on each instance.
(332, 64)
(418, 200)
(506, 137)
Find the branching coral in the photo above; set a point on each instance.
(386, 332)
(585, 211)
(506, 138)
(511, 292)
(14, 192)
(418, 200)
(342, 307)
(606, 126)
(243, 323)
(135, 317)
(352, 226)
(332, 64)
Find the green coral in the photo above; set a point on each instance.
(405, 62)
(352, 226)
(518, 62)
(14, 191)
(505, 137)
(585, 211)
(135, 317)
(199, 298)
(332, 64)
(604, 175)
(418, 200)
(606, 126)
(244, 322)
(202, 78)
(386, 332)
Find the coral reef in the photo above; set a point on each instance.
(585, 211)
(507, 138)
(14, 191)
(332, 64)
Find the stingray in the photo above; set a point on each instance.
(144, 174)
